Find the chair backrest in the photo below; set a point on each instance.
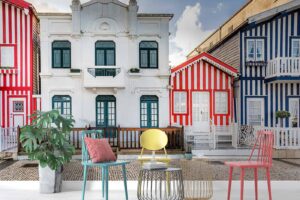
(154, 139)
(264, 147)
(92, 134)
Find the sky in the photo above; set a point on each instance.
(194, 20)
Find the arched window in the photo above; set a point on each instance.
(149, 54)
(106, 111)
(62, 103)
(61, 54)
(149, 111)
(105, 53)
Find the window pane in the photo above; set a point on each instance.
(110, 57)
(56, 58)
(180, 99)
(153, 58)
(62, 104)
(66, 58)
(144, 58)
(61, 44)
(105, 44)
(100, 57)
(296, 48)
(250, 49)
(221, 102)
(259, 50)
(7, 56)
(147, 44)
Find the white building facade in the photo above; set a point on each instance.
(88, 58)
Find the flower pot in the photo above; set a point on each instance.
(188, 156)
(50, 180)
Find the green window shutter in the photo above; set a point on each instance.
(66, 58)
(56, 58)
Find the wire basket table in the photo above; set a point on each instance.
(197, 175)
(160, 184)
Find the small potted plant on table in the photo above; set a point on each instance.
(46, 140)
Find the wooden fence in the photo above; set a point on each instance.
(126, 138)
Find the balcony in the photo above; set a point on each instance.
(104, 77)
(283, 68)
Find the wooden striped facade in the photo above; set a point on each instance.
(275, 92)
(203, 73)
(19, 28)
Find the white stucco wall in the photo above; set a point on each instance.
(84, 88)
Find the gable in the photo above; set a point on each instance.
(209, 59)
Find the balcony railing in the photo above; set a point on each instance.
(283, 67)
(104, 77)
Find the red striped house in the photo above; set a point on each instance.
(19, 71)
(202, 92)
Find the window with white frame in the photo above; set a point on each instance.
(7, 56)
(221, 103)
(180, 102)
(296, 47)
(255, 49)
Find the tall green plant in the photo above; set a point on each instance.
(46, 139)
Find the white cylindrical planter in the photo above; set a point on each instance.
(50, 180)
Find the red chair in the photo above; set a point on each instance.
(264, 147)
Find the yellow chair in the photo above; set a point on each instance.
(154, 140)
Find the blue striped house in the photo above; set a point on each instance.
(270, 67)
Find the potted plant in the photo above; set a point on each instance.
(134, 70)
(282, 114)
(188, 154)
(46, 140)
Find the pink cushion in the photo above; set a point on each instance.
(99, 150)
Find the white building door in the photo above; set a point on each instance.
(294, 107)
(17, 112)
(255, 111)
(200, 109)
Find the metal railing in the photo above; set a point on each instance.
(8, 139)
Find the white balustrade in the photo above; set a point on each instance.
(283, 66)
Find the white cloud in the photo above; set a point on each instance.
(219, 7)
(188, 35)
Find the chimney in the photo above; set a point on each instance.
(132, 17)
(76, 17)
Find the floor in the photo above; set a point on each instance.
(28, 190)
(284, 169)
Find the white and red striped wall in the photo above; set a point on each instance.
(18, 27)
(203, 73)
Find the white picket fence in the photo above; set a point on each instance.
(8, 139)
(284, 138)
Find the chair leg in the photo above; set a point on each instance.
(269, 183)
(106, 182)
(85, 168)
(256, 183)
(229, 182)
(103, 181)
(125, 181)
(242, 183)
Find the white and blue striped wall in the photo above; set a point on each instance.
(277, 33)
